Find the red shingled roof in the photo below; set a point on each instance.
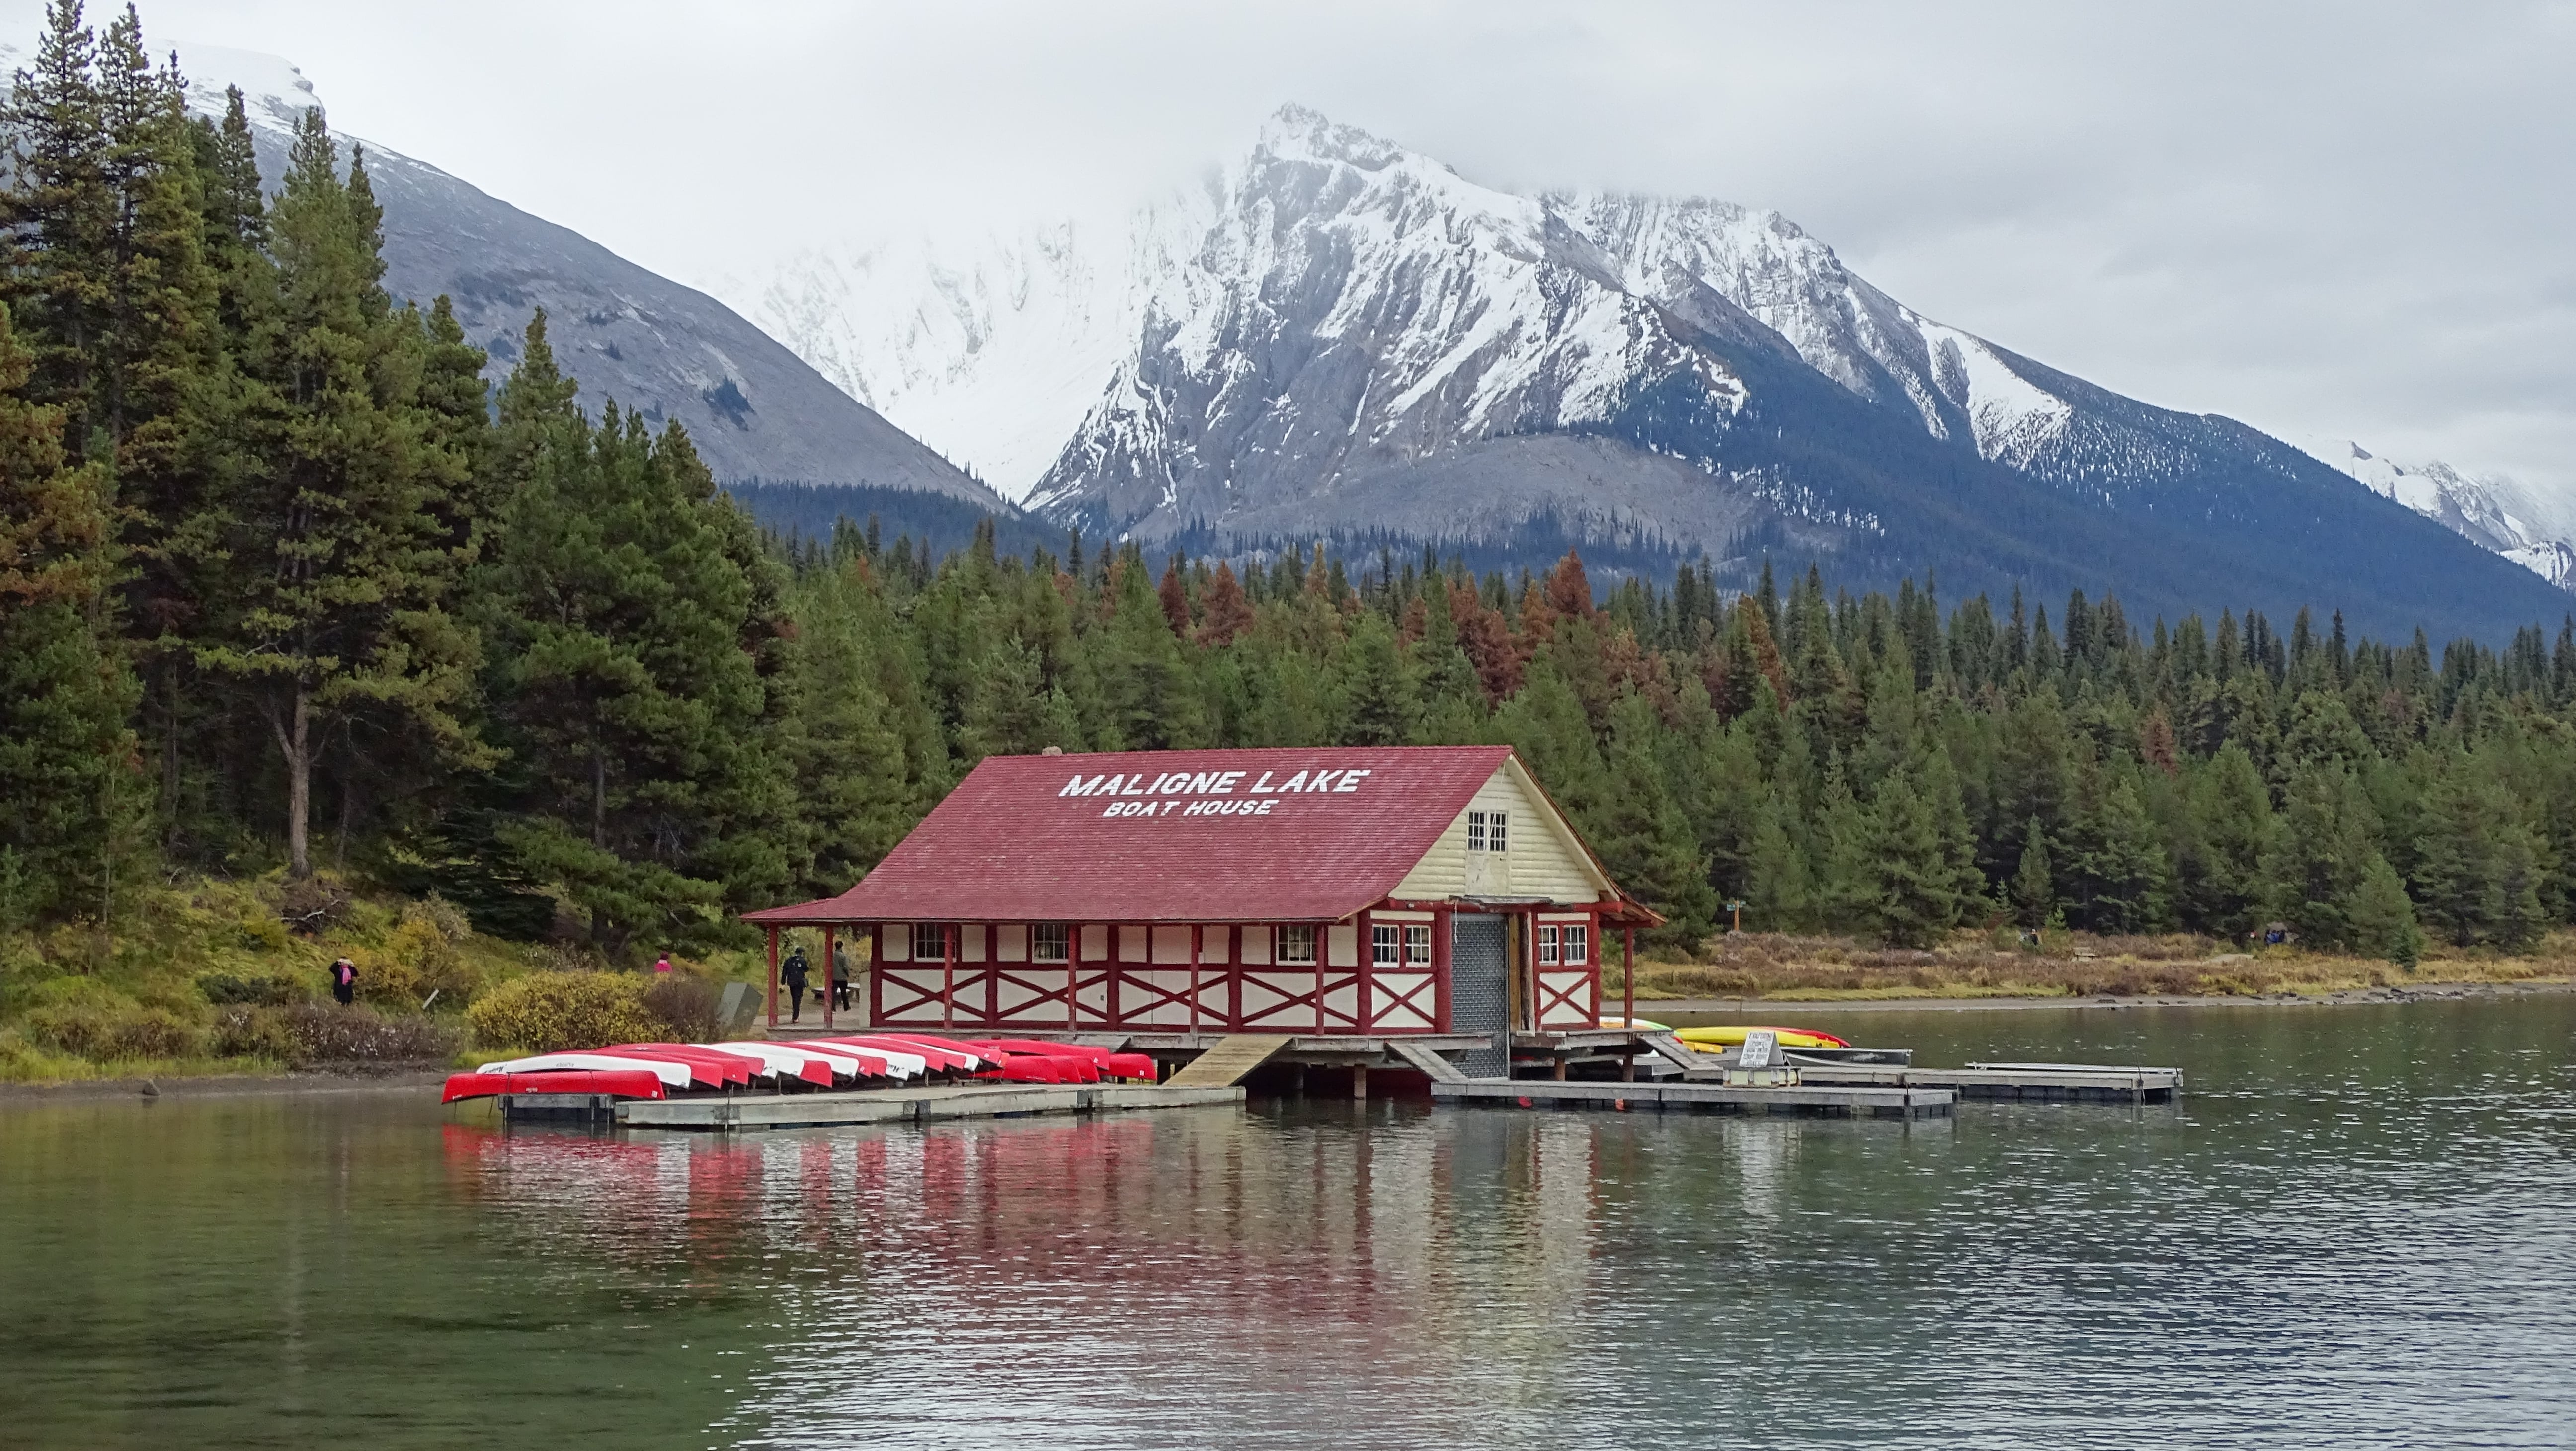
(1168, 836)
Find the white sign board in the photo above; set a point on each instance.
(1761, 1048)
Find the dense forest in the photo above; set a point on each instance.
(285, 586)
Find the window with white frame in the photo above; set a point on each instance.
(1050, 942)
(1385, 943)
(1296, 945)
(1485, 830)
(1417, 947)
(929, 941)
(1549, 944)
(1575, 944)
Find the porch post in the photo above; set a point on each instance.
(1628, 978)
(1196, 944)
(831, 939)
(773, 974)
(1443, 922)
(948, 977)
(876, 975)
(1072, 971)
(1363, 996)
(1323, 955)
(1234, 977)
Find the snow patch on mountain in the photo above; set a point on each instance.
(2493, 511)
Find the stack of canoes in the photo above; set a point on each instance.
(850, 1061)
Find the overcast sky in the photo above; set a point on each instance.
(2349, 219)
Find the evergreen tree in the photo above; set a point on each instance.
(616, 617)
(1778, 887)
(1380, 705)
(1644, 839)
(65, 755)
(2034, 888)
(2382, 919)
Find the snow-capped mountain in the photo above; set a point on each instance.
(2493, 511)
(754, 409)
(1341, 336)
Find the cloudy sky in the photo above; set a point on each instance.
(2348, 219)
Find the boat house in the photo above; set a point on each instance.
(1375, 893)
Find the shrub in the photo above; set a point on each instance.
(685, 1008)
(440, 916)
(313, 905)
(266, 990)
(310, 1034)
(416, 961)
(100, 1033)
(251, 1032)
(551, 1012)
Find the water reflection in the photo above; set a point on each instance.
(2353, 1233)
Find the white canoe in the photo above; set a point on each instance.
(675, 1075)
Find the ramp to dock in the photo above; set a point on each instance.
(1224, 1065)
(1675, 1052)
(1440, 1069)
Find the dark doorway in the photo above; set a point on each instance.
(1479, 1001)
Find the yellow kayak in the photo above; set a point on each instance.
(1733, 1036)
(1643, 1024)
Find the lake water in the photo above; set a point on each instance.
(2359, 1229)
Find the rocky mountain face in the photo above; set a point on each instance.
(2491, 511)
(1344, 338)
(758, 414)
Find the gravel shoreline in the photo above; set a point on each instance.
(218, 1086)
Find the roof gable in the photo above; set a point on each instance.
(1170, 836)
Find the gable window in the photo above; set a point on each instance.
(1050, 942)
(1417, 947)
(929, 941)
(1549, 944)
(1485, 830)
(1297, 945)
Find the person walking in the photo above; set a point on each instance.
(794, 974)
(841, 976)
(344, 982)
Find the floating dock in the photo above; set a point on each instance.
(742, 1112)
(1806, 1100)
(2076, 1082)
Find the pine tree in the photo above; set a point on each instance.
(336, 605)
(2382, 919)
(1380, 705)
(66, 759)
(1644, 839)
(2034, 888)
(1778, 887)
(616, 616)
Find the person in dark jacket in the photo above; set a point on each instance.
(794, 974)
(344, 982)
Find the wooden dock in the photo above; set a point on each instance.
(2037, 1081)
(1807, 1100)
(906, 1105)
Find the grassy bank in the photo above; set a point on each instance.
(1978, 964)
(210, 977)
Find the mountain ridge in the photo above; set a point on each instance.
(754, 410)
(1341, 336)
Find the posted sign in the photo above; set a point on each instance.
(1207, 793)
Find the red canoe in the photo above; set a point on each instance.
(1119, 1065)
(620, 1083)
(706, 1069)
